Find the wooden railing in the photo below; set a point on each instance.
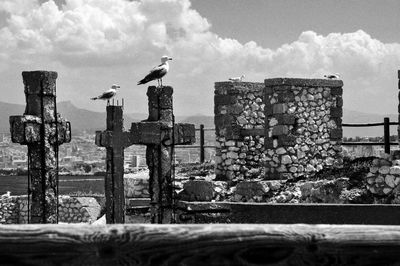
(201, 244)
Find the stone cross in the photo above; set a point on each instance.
(160, 134)
(115, 140)
(42, 129)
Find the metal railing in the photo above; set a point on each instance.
(386, 137)
(201, 145)
(386, 134)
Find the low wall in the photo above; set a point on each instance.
(14, 209)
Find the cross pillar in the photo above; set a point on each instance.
(42, 129)
(160, 134)
(115, 140)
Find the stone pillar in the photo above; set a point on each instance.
(303, 119)
(43, 130)
(115, 140)
(239, 128)
(159, 156)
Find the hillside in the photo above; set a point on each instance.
(82, 119)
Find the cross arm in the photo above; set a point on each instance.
(150, 132)
(110, 139)
(25, 129)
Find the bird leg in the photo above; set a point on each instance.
(108, 102)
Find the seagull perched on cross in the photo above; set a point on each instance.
(157, 72)
(108, 94)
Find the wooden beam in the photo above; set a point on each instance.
(283, 213)
(213, 244)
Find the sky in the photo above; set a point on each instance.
(95, 43)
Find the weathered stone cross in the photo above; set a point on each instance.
(42, 129)
(160, 134)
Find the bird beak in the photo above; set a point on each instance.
(169, 58)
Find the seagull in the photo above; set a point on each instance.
(157, 72)
(6, 195)
(108, 94)
(332, 76)
(237, 79)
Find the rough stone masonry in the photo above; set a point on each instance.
(280, 129)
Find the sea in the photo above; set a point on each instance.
(67, 185)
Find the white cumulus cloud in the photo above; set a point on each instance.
(95, 41)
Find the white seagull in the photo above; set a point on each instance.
(157, 72)
(6, 195)
(237, 79)
(332, 76)
(108, 94)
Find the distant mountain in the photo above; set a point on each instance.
(82, 119)
(207, 121)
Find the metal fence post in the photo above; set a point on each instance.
(386, 134)
(201, 143)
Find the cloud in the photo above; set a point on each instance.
(99, 38)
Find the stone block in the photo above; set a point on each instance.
(268, 143)
(268, 109)
(286, 119)
(298, 82)
(146, 132)
(286, 140)
(235, 109)
(25, 129)
(338, 121)
(250, 189)
(184, 134)
(339, 102)
(336, 133)
(224, 100)
(280, 130)
(336, 112)
(40, 81)
(336, 91)
(286, 96)
(252, 132)
(197, 190)
(268, 90)
(279, 108)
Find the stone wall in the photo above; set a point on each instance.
(14, 209)
(384, 178)
(239, 127)
(280, 129)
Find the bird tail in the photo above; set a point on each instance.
(94, 98)
(143, 81)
